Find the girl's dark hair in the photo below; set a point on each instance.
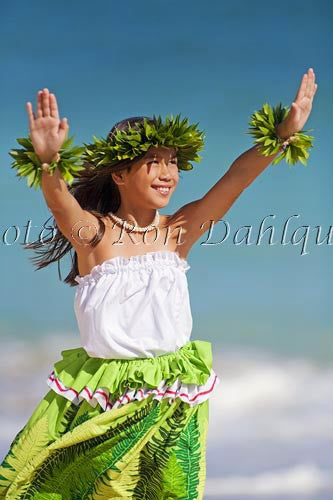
(96, 192)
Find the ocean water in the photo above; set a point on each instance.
(271, 428)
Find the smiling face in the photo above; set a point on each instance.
(142, 185)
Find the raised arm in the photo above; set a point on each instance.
(48, 133)
(194, 218)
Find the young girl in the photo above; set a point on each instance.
(126, 415)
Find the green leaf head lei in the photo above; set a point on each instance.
(134, 141)
(127, 144)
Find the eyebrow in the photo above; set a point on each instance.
(152, 155)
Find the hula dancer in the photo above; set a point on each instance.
(126, 413)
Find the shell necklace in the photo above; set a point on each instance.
(135, 229)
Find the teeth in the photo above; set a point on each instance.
(162, 190)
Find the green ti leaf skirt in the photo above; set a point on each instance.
(116, 428)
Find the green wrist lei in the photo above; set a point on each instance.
(28, 164)
(263, 127)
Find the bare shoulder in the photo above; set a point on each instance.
(186, 226)
(103, 241)
(77, 225)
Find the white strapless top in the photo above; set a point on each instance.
(135, 307)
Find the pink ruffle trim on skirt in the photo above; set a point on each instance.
(190, 393)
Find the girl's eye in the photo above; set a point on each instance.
(156, 161)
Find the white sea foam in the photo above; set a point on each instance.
(264, 396)
(301, 480)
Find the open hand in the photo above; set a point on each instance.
(47, 131)
(301, 107)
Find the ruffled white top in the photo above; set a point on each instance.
(135, 307)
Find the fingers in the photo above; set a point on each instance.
(46, 102)
(54, 106)
(63, 124)
(30, 115)
(46, 107)
(310, 86)
(301, 88)
(307, 87)
(39, 104)
(63, 128)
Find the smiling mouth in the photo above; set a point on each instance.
(163, 191)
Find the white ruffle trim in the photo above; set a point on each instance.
(113, 265)
(190, 393)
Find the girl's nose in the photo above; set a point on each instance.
(165, 171)
(165, 167)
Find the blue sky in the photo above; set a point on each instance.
(214, 62)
